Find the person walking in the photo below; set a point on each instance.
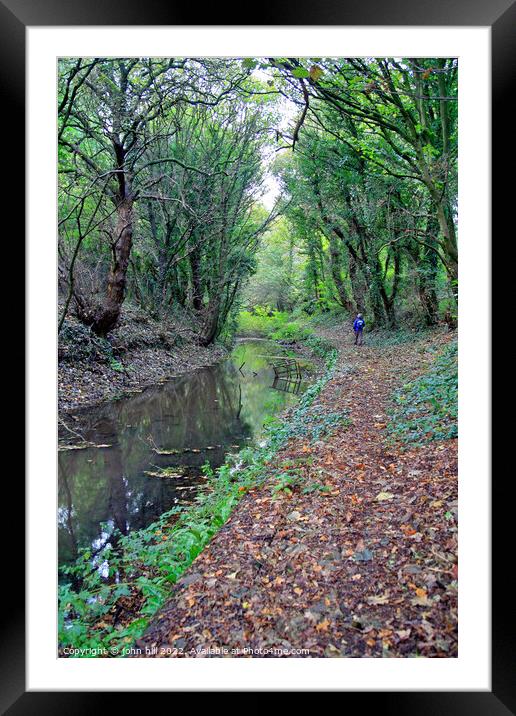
(358, 327)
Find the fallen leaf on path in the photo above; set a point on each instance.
(323, 626)
(381, 599)
(381, 496)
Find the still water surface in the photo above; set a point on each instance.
(202, 415)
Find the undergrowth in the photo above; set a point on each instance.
(383, 338)
(426, 409)
(276, 325)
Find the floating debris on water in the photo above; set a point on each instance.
(167, 472)
(82, 446)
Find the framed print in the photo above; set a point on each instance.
(258, 390)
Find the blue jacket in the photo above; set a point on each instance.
(358, 324)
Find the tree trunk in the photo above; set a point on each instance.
(427, 275)
(336, 266)
(195, 266)
(210, 323)
(103, 317)
(447, 227)
(428, 300)
(357, 285)
(388, 300)
(444, 217)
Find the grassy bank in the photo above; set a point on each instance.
(117, 591)
(426, 409)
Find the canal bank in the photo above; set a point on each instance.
(138, 353)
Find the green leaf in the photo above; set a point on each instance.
(300, 72)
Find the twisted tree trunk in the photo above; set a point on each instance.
(103, 316)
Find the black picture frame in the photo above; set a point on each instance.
(15, 16)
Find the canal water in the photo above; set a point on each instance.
(197, 418)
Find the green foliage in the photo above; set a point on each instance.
(277, 325)
(300, 72)
(329, 319)
(287, 482)
(315, 487)
(261, 321)
(318, 423)
(279, 270)
(290, 332)
(145, 563)
(78, 342)
(426, 409)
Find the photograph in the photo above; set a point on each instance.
(258, 378)
(257, 324)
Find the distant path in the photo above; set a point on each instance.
(367, 568)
